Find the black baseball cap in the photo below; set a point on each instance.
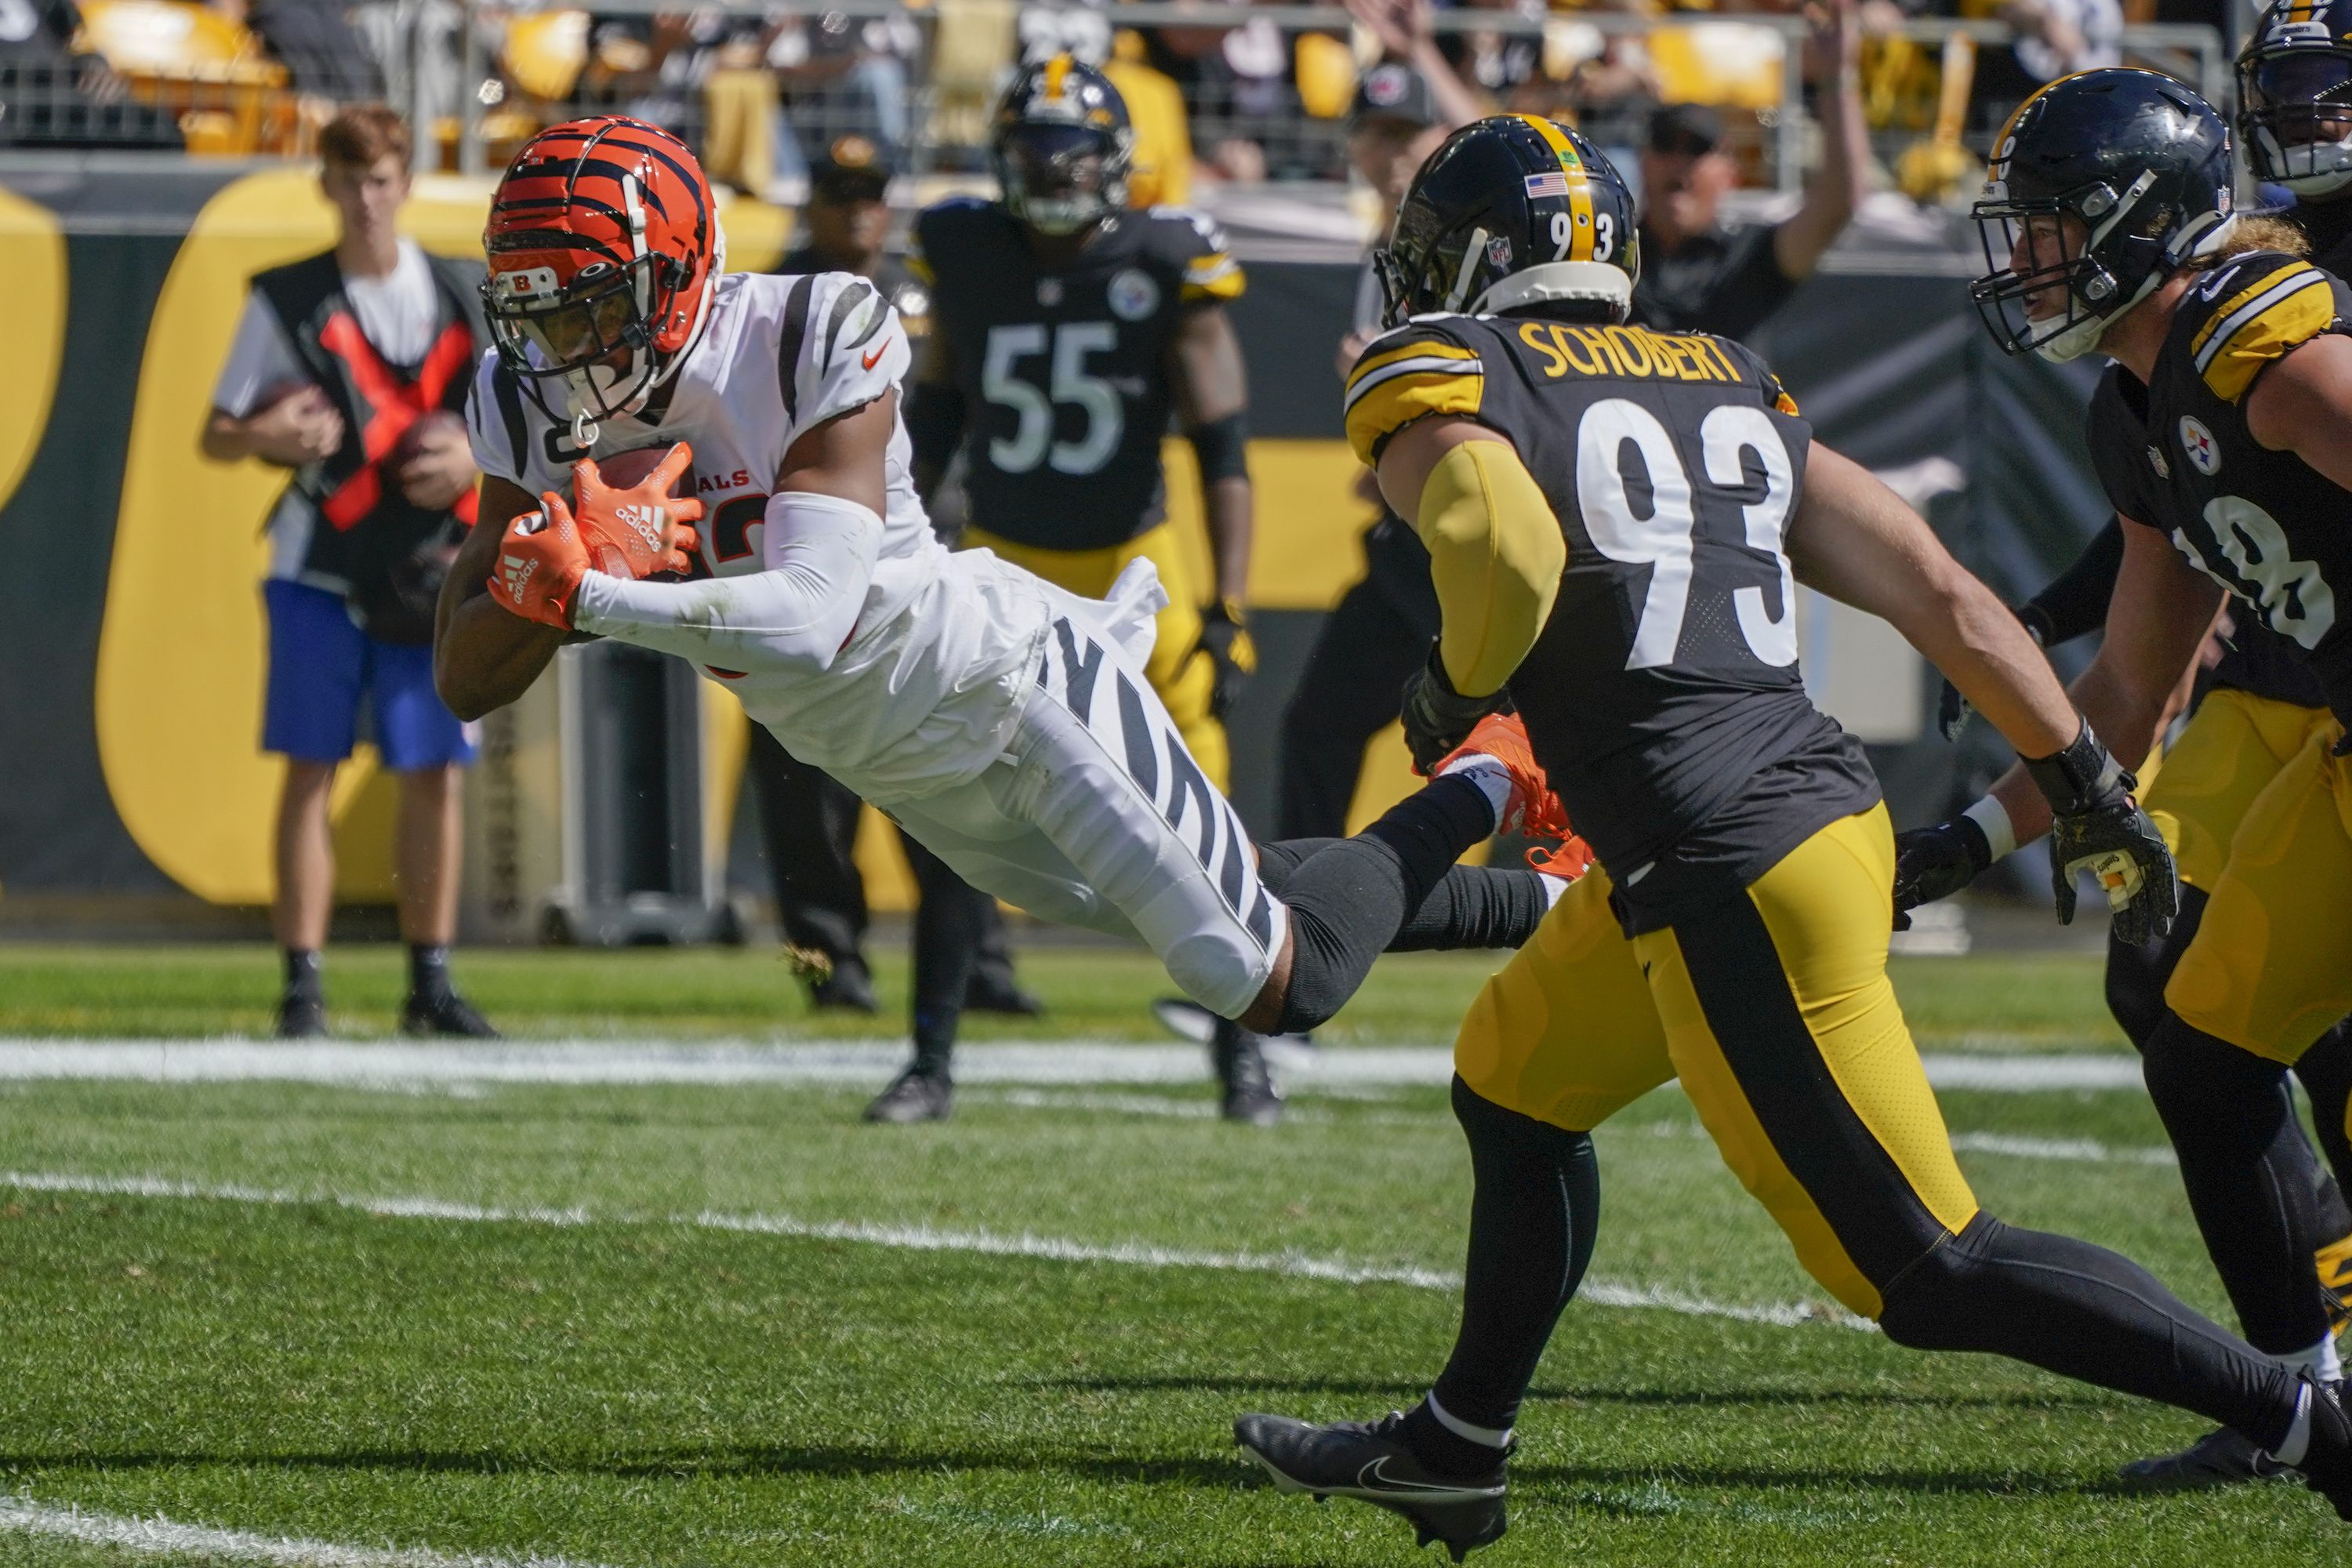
(850, 169)
(1392, 92)
(1693, 128)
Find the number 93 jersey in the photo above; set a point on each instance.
(1064, 371)
(2267, 526)
(1663, 696)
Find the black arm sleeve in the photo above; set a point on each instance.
(935, 415)
(2076, 603)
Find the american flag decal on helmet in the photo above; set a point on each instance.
(1551, 182)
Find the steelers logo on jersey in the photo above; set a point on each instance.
(2199, 443)
(1133, 295)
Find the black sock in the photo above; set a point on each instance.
(302, 972)
(1535, 1207)
(1470, 907)
(2252, 1176)
(428, 969)
(2084, 1312)
(1477, 907)
(949, 926)
(1349, 900)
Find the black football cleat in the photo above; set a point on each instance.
(1250, 1095)
(301, 1016)
(2327, 1466)
(919, 1094)
(1000, 993)
(444, 1013)
(847, 988)
(2222, 1457)
(1372, 1460)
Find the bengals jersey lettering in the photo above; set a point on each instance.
(1063, 372)
(2266, 525)
(1663, 696)
(927, 686)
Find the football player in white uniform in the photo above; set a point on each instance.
(1005, 723)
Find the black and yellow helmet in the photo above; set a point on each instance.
(1512, 212)
(2295, 95)
(1062, 145)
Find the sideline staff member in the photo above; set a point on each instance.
(810, 819)
(1700, 274)
(350, 368)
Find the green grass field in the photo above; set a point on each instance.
(422, 1323)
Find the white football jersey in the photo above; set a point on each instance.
(932, 682)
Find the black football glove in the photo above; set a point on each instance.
(1932, 863)
(2099, 828)
(1438, 717)
(1952, 710)
(1226, 641)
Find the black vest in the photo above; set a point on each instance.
(389, 554)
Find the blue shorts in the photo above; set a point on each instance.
(322, 666)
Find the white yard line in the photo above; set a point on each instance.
(410, 1063)
(928, 1238)
(23, 1516)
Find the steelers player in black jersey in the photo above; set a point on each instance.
(1616, 521)
(2294, 117)
(1065, 330)
(2222, 435)
(2253, 701)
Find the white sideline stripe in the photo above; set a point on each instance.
(159, 1535)
(406, 1065)
(926, 1238)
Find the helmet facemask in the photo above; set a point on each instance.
(591, 341)
(2062, 269)
(1060, 179)
(2296, 110)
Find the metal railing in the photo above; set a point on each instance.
(787, 77)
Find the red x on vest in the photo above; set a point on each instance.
(393, 406)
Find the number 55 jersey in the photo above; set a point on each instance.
(1064, 370)
(2177, 455)
(1662, 696)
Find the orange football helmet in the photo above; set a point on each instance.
(605, 250)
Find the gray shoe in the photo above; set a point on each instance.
(2222, 1457)
(1250, 1095)
(916, 1095)
(1372, 1460)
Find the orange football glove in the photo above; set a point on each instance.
(640, 530)
(542, 559)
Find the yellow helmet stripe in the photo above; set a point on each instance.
(1057, 71)
(1579, 188)
(2009, 125)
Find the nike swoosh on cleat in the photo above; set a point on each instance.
(1372, 1478)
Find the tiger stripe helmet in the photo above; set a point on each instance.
(605, 250)
(1511, 211)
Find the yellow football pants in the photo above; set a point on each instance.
(1180, 669)
(1775, 1012)
(2231, 748)
(2271, 968)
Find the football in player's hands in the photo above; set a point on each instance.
(632, 522)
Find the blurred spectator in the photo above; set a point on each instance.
(1701, 274)
(1236, 74)
(2054, 38)
(1497, 63)
(810, 821)
(350, 369)
(51, 96)
(315, 40)
(846, 75)
(1380, 630)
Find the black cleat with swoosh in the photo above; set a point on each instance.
(1373, 1461)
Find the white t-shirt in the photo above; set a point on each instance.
(930, 685)
(398, 314)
